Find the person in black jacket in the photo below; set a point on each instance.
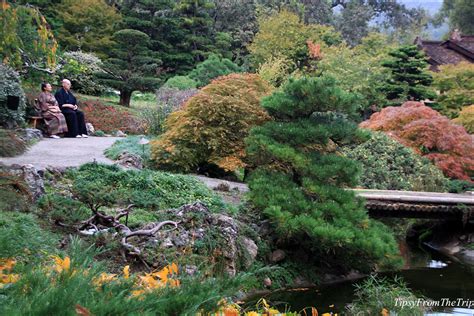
(68, 104)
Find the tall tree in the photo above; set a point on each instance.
(353, 15)
(460, 14)
(298, 176)
(408, 76)
(26, 42)
(132, 65)
(87, 25)
(181, 31)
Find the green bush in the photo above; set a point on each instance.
(10, 85)
(181, 83)
(10, 144)
(388, 165)
(61, 209)
(95, 184)
(211, 68)
(129, 144)
(298, 178)
(377, 294)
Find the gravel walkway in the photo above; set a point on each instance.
(64, 152)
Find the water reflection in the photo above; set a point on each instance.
(427, 273)
(436, 264)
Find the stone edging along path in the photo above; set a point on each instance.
(64, 152)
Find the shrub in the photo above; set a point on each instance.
(95, 184)
(129, 144)
(456, 86)
(388, 165)
(211, 68)
(10, 86)
(297, 177)
(79, 68)
(408, 78)
(111, 118)
(212, 125)
(276, 70)
(430, 134)
(172, 99)
(63, 210)
(181, 83)
(10, 144)
(466, 118)
(380, 296)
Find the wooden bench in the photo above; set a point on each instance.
(36, 119)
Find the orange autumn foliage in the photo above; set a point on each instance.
(430, 134)
(212, 125)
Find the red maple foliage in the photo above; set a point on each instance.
(110, 118)
(430, 134)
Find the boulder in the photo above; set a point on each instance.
(32, 178)
(277, 256)
(31, 134)
(251, 250)
(205, 233)
(130, 160)
(120, 134)
(90, 128)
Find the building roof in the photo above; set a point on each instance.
(456, 49)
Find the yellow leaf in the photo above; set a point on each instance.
(173, 268)
(385, 312)
(7, 264)
(62, 264)
(126, 272)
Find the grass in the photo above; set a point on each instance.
(138, 101)
(381, 296)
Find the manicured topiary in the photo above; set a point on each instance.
(212, 68)
(212, 125)
(388, 165)
(12, 98)
(429, 134)
(298, 177)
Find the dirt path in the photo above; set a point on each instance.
(64, 152)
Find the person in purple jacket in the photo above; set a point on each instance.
(68, 104)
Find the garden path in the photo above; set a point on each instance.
(64, 152)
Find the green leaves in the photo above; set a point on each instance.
(298, 175)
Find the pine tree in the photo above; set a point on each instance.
(132, 65)
(408, 79)
(298, 176)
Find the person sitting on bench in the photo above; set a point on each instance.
(51, 113)
(68, 104)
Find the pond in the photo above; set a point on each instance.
(427, 273)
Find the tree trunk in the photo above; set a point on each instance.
(125, 96)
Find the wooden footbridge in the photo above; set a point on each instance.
(387, 203)
(450, 206)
